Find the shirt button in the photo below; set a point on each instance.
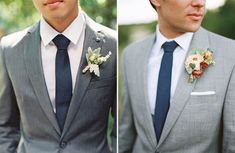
(63, 144)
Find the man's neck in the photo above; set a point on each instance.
(170, 34)
(61, 24)
(168, 31)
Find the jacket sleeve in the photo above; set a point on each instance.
(114, 130)
(229, 117)
(9, 114)
(127, 131)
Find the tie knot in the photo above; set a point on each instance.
(169, 47)
(61, 42)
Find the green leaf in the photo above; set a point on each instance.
(189, 70)
(192, 65)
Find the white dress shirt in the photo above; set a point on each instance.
(75, 33)
(155, 63)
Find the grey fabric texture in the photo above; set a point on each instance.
(195, 123)
(27, 121)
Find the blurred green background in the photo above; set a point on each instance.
(19, 14)
(16, 15)
(220, 20)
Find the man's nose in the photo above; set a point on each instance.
(198, 3)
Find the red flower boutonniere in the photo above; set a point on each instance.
(197, 62)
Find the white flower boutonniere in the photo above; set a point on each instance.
(197, 62)
(94, 59)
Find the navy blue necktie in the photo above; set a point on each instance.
(164, 87)
(63, 79)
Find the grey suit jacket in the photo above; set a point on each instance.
(196, 122)
(27, 120)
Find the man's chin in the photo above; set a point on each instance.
(193, 28)
(56, 16)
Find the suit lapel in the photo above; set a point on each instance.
(142, 78)
(183, 89)
(34, 68)
(94, 40)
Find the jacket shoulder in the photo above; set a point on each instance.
(136, 46)
(220, 40)
(13, 39)
(107, 32)
(223, 45)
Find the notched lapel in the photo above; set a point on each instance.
(94, 39)
(200, 41)
(34, 68)
(143, 93)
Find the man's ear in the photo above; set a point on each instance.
(156, 3)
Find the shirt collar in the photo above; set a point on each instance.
(72, 32)
(183, 40)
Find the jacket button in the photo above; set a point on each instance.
(63, 144)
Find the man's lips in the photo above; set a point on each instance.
(196, 16)
(48, 2)
(53, 4)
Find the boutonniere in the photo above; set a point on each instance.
(197, 62)
(94, 59)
